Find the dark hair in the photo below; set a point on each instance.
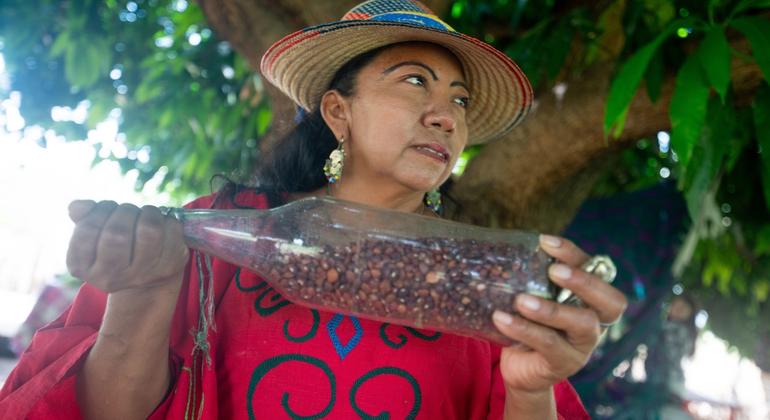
(295, 162)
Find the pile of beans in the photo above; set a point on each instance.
(437, 283)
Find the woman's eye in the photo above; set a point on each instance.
(416, 80)
(463, 101)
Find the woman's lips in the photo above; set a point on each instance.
(435, 152)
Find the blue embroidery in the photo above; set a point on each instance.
(331, 327)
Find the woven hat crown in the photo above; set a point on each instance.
(397, 11)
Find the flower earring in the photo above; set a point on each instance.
(433, 200)
(333, 166)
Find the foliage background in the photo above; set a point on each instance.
(193, 107)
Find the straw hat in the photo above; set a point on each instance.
(303, 64)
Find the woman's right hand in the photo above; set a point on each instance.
(122, 247)
(138, 257)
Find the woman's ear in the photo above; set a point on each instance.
(335, 112)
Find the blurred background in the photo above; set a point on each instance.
(649, 141)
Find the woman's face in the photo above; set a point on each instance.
(407, 117)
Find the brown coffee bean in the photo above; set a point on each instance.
(366, 287)
(423, 268)
(332, 276)
(434, 277)
(385, 286)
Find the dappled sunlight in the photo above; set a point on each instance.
(40, 174)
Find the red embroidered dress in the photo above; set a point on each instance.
(270, 359)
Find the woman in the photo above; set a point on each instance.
(394, 96)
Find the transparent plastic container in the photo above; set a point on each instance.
(379, 264)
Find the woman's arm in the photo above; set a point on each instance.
(529, 405)
(126, 374)
(137, 256)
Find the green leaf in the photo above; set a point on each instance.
(707, 156)
(742, 136)
(654, 77)
(688, 108)
(558, 45)
(757, 31)
(526, 51)
(761, 290)
(745, 5)
(739, 284)
(167, 117)
(97, 113)
(716, 270)
(715, 60)
(761, 110)
(264, 117)
(61, 45)
(626, 83)
(711, 6)
(762, 247)
(86, 60)
(662, 10)
(148, 90)
(618, 129)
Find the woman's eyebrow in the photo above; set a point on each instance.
(425, 66)
(410, 63)
(460, 84)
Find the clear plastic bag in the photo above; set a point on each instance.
(379, 264)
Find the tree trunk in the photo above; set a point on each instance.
(538, 175)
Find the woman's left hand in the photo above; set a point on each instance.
(556, 340)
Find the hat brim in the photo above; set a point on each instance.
(302, 65)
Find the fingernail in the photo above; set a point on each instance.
(502, 318)
(79, 209)
(561, 271)
(529, 302)
(551, 241)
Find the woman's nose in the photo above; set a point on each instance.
(440, 118)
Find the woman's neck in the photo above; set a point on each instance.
(394, 198)
(377, 196)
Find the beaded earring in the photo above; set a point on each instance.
(433, 200)
(333, 166)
